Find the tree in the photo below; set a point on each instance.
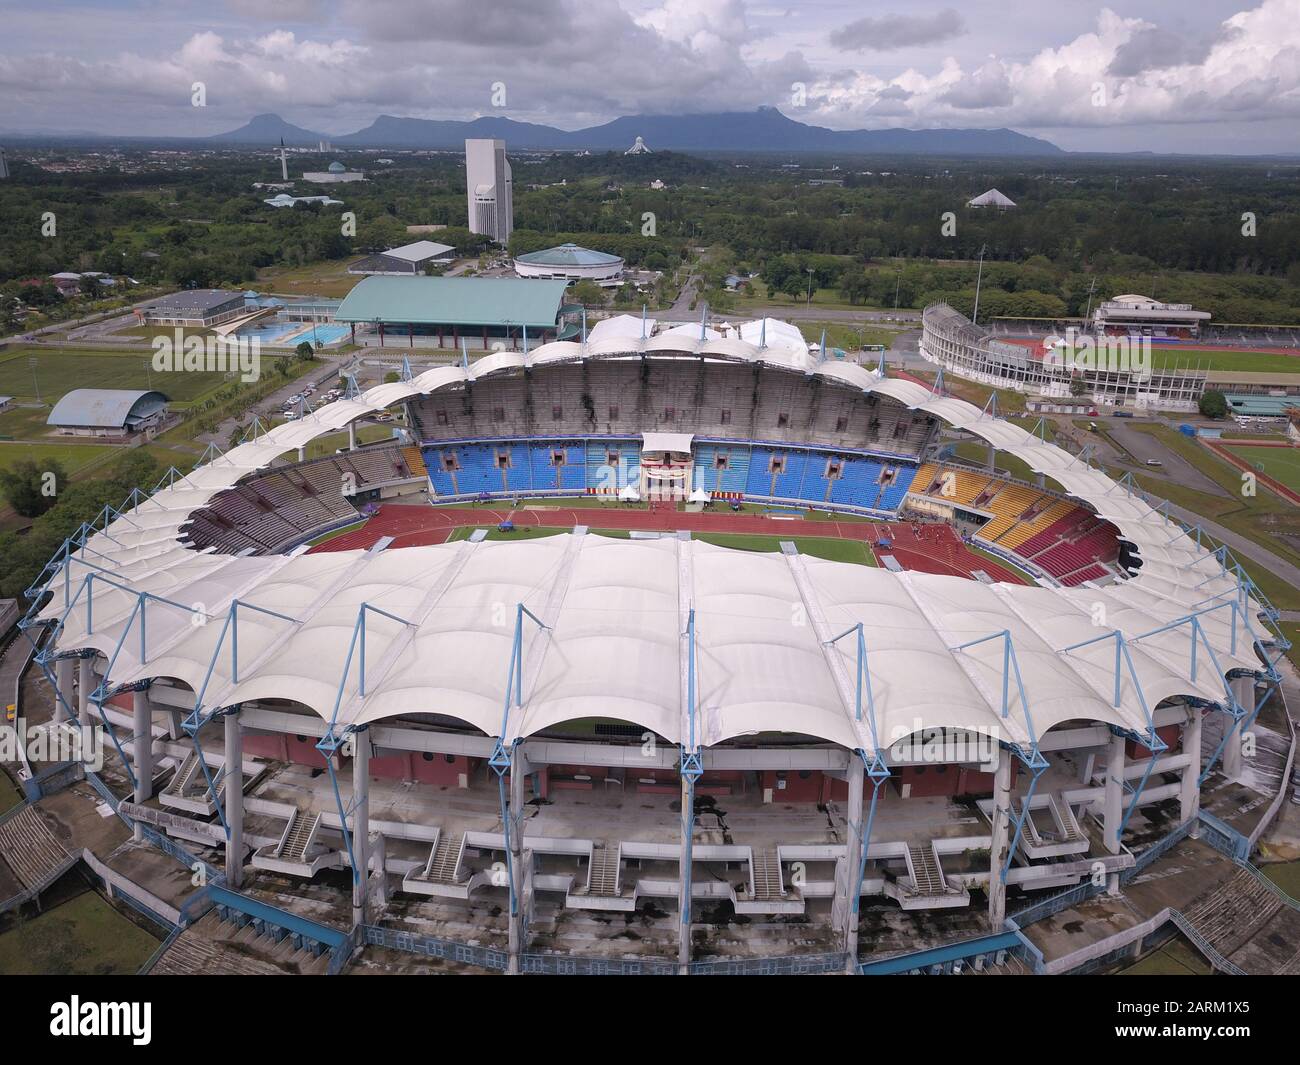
(1213, 404)
(30, 489)
(1078, 386)
(588, 293)
(304, 350)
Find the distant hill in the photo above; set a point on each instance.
(269, 129)
(766, 129)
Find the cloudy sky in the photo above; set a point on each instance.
(1165, 75)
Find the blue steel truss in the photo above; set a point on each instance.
(1031, 757)
(336, 739)
(691, 767)
(503, 757)
(874, 764)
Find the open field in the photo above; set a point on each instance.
(1209, 357)
(83, 936)
(817, 546)
(1263, 518)
(327, 279)
(1280, 463)
(72, 457)
(56, 372)
(847, 337)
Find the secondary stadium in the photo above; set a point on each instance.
(497, 691)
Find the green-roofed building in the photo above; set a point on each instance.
(481, 311)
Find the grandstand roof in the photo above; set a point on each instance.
(472, 301)
(419, 250)
(104, 408)
(569, 254)
(615, 610)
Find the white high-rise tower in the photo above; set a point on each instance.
(284, 163)
(4, 165)
(489, 189)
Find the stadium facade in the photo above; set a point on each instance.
(556, 723)
(951, 340)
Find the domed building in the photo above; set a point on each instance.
(572, 263)
(335, 172)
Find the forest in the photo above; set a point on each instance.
(1224, 235)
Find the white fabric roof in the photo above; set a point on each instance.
(616, 610)
(678, 442)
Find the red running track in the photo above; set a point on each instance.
(925, 548)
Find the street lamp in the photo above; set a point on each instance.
(810, 277)
(979, 276)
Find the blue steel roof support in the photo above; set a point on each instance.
(690, 767)
(863, 679)
(503, 758)
(1010, 669)
(1156, 751)
(878, 773)
(1037, 766)
(329, 745)
(405, 372)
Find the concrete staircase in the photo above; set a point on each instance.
(183, 778)
(212, 946)
(32, 851)
(301, 831)
(767, 876)
(926, 874)
(925, 888)
(444, 860)
(603, 878)
(1230, 916)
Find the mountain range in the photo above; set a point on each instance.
(766, 129)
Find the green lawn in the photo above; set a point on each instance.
(818, 546)
(84, 936)
(531, 532)
(1243, 361)
(1175, 958)
(846, 336)
(1285, 875)
(72, 457)
(57, 372)
(1264, 518)
(10, 796)
(1280, 463)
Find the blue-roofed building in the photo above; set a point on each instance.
(108, 412)
(571, 263)
(480, 311)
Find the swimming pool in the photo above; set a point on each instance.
(290, 334)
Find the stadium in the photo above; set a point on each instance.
(659, 651)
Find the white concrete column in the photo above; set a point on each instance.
(233, 799)
(360, 822)
(1243, 690)
(352, 436)
(684, 863)
(302, 453)
(853, 861)
(142, 726)
(1113, 809)
(86, 682)
(63, 668)
(516, 814)
(1189, 795)
(379, 863)
(1113, 803)
(1001, 841)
